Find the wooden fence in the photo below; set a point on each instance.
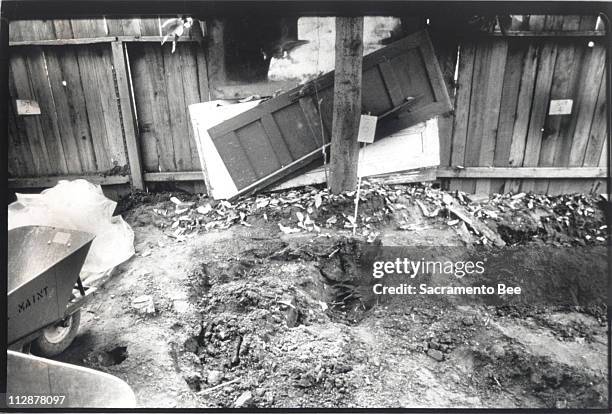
(502, 105)
(114, 105)
(113, 102)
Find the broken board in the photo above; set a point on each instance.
(277, 137)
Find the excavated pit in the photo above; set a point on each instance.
(298, 320)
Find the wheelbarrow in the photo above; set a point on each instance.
(34, 382)
(45, 291)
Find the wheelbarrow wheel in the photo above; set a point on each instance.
(57, 338)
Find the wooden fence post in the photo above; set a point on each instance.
(347, 104)
(129, 126)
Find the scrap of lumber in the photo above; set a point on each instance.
(461, 213)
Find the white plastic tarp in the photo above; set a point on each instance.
(79, 205)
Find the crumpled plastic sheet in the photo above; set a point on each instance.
(79, 205)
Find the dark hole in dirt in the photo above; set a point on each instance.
(199, 281)
(115, 356)
(194, 382)
(513, 236)
(342, 285)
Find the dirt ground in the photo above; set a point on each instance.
(244, 312)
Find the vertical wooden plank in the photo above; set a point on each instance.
(150, 26)
(133, 150)
(143, 97)
(594, 67)
(478, 109)
(21, 163)
(15, 163)
(83, 28)
(21, 89)
(15, 34)
(539, 110)
(110, 107)
(131, 27)
(215, 57)
(37, 73)
(161, 111)
(521, 132)
(172, 72)
(604, 159)
(495, 80)
(202, 67)
(551, 22)
(521, 122)
(97, 92)
(62, 112)
(601, 187)
(115, 27)
(462, 108)
(446, 53)
(77, 109)
(508, 108)
(191, 88)
(599, 129)
(95, 114)
(63, 29)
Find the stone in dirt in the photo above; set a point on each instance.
(292, 313)
(244, 400)
(468, 321)
(435, 354)
(144, 304)
(214, 377)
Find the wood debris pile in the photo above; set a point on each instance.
(510, 219)
(498, 220)
(301, 210)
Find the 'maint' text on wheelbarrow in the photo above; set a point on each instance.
(41, 294)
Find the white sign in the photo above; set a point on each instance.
(367, 128)
(560, 107)
(27, 107)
